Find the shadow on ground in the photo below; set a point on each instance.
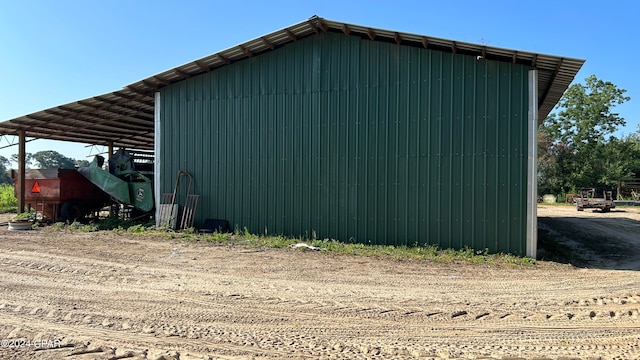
(602, 243)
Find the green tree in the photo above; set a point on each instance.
(81, 163)
(53, 159)
(586, 116)
(5, 178)
(620, 160)
(578, 148)
(555, 161)
(47, 159)
(28, 159)
(633, 155)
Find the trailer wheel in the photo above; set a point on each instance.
(72, 210)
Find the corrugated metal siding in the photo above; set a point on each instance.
(339, 137)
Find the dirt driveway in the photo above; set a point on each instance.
(106, 296)
(600, 240)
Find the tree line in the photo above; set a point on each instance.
(41, 160)
(577, 146)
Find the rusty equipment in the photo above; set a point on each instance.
(629, 188)
(592, 198)
(168, 211)
(61, 194)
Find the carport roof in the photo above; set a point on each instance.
(125, 118)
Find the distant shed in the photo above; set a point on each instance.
(332, 130)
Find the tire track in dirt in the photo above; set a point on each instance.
(250, 342)
(422, 315)
(203, 300)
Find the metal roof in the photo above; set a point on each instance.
(124, 118)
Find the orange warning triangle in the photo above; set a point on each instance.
(35, 188)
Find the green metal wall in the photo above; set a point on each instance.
(356, 140)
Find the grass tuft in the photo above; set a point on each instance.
(245, 238)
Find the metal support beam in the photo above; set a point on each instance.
(532, 168)
(157, 193)
(21, 170)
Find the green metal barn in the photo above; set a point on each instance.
(332, 130)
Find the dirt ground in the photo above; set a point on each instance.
(107, 296)
(602, 240)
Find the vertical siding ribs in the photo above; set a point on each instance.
(357, 140)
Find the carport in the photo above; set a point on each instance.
(122, 118)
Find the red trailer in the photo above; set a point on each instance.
(60, 194)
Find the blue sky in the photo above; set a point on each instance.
(56, 52)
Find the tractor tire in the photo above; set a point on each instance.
(72, 210)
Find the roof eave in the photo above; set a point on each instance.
(555, 72)
(127, 109)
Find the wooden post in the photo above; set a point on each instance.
(619, 190)
(21, 170)
(110, 149)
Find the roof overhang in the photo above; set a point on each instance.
(121, 119)
(124, 118)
